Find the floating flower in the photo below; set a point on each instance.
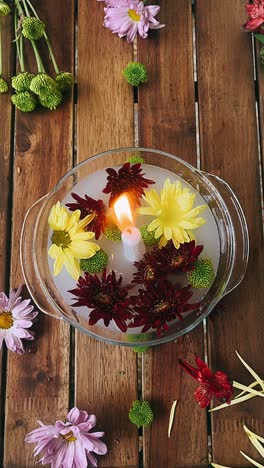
(212, 385)
(141, 413)
(16, 317)
(128, 178)
(173, 211)
(159, 303)
(106, 297)
(255, 12)
(202, 275)
(112, 232)
(148, 270)
(70, 242)
(68, 444)
(136, 159)
(170, 259)
(95, 264)
(148, 236)
(132, 18)
(89, 205)
(135, 73)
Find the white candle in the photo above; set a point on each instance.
(133, 244)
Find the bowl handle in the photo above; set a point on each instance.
(241, 237)
(28, 263)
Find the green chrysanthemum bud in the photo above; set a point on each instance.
(141, 413)
(50, 98)
(41, 83)
(95, 264)
(4, 9)
(22, 81)
(65, 81)
(33, 28)
(136, 159)
(3, 85)
(135, 73)
(112, 232)
(202, 275)
(26, 101)
(148, 236)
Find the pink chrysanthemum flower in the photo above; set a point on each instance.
(132, 18)
(16, 317)
(68, 444)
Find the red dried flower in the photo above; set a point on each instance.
(212, 385)
(89, 205)
(106, 297)
(159, 303)
(147, 270)
(171, 259)
(128, 178)
(255, 12)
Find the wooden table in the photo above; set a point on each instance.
(210, 113)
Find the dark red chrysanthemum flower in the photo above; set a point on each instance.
(89, 205)
(159, 303)
(170, 259)
(212, 385)
(128, 178)
(106, 297)
(147, 270)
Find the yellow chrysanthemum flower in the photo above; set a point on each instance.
(70, 242)
(174, 213)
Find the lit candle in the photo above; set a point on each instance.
(133, 244)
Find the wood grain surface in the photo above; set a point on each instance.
(106, 375)
(6, 146)
(229, 149)
(38, 382)
(167, 122)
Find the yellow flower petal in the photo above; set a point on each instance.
(72, 265)
(58, 217)
(54, 251)
(84, 222)
(73, 220)
(215, 465)
(59, 261)
(251, 460)
(252, 434)
(83, 249)
(83, 235)
(252, 372)
(173, 212)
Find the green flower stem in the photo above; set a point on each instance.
(21, 59)
(55, 65)
(40, 65)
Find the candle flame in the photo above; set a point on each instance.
(123, 212)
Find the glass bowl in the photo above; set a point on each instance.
(232, 232)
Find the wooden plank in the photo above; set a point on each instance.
(167, 122)
(5, 182)
(106, 375)
(38, 382)
(229, 149)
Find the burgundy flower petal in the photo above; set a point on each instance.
(89, 205)
(106, 297)
(128, 178)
